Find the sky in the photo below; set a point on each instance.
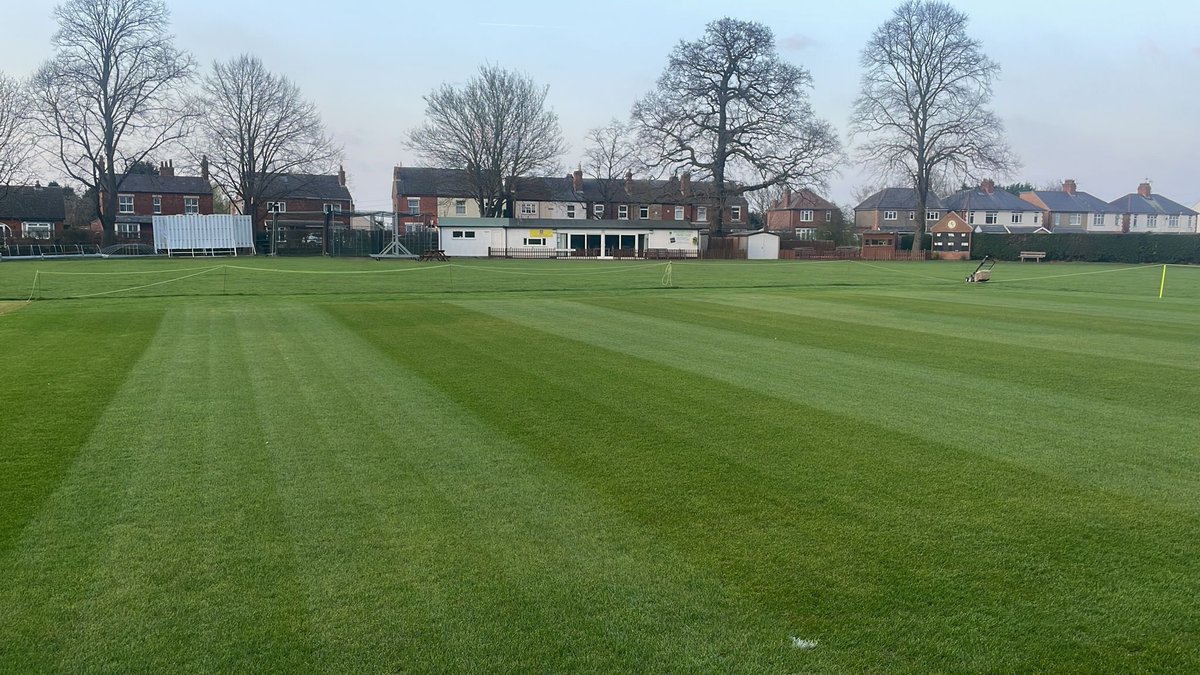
(1107, 93)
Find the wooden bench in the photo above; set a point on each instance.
(434, 254)
(1035, 256)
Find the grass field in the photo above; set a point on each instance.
(306, 465)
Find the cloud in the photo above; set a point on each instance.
(798, 43)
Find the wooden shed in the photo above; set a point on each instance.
(951, 238)
(877, 245)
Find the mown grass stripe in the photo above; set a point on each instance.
(1018, 423)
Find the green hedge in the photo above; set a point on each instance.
(1119, 248)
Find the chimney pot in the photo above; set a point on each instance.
(166, 169)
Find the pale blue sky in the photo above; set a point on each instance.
(1107, 93)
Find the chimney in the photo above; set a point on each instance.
(1144, 189)
(1069, 186)
(577, 180)
(673, 184)
(629, 182)
(685, 183)
(988, 186)
(166, 169)
(341, 176)
(787, 197)
(204, 167)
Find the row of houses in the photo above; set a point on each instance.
(295, 201)
(987, 209)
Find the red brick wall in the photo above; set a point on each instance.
(172, 205)
(309, 210)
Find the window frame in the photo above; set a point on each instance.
(157, 203)
(735, 214)
(806, 215)
(644, 212)
(414, 206)
(702, 214)
(191, 206)
(679, 213)
(121, 201)
(460, 207)
(891, 215)
(35, 229)
(623, 212)
(276, 207)
(570, 211)
(528, 209)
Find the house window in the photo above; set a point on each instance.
(702, 214)
(37, 230)
(414, 206)
(971, 218)
(991, 218)
(678, 213)
(460, 207)
(1151, 222)
(829, 216)
(528, 209)
(735, 213)
(1097, 220)
(570, 210)
(332, 208)
(623, 212)
(1057, 219)
(932, 215)
(191, 205)
(1017, 217)
(535, 241)
(157, 204)
(276, 207)
(806, 233)
(806, 216)
(1076, 219)
(598, 210)
(125, 203)
(462, 234)
(912, 215)
(1037, 218)
(890, 215)
(1173, 222)
(129, 229)
(644, 212)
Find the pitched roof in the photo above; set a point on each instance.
(802, 199)
(32, 203)
(426, 181)
(306, 186)
(163, 185)
(1154, 205)
(1066, 202)
(899, 199)
(429, 182)
(976, 199)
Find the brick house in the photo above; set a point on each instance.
(140, 197)
(299, 201)
(1069, 210)
(802, 214)
(987, 209)
(31, 213)
(1145, 211)
(895, 210)
(425, 193)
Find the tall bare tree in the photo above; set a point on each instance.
(497, 127)
(922, 111)
(610, 154)
(15, 143)
(256, 126)
(728, 106)
(112, 93)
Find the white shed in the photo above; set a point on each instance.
(193, 232)
(762, 245)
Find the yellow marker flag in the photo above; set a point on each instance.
(1162, 286)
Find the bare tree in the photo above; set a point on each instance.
(610, 155)
(256, 126)
(728, 106)
(923, 105)
(497, 128)
(111, 95)
(15, 143)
